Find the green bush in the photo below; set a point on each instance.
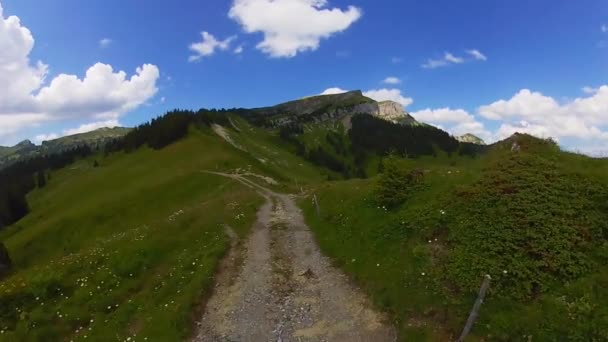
(396, 183)
(529, 223)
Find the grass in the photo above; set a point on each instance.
(424, 261)
(129, 249)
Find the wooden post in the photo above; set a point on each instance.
(317, 205)
(475, 311)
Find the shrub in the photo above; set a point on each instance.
(396, 183)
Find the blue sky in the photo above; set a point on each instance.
(486, 67)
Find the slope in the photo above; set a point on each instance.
(125, 249)
(532, 217)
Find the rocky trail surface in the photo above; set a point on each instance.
(279, 287)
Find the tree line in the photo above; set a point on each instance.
(20, 178)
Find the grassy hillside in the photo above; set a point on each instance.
(129, 248)
(535, 220)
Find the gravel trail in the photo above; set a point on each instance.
(285, 289)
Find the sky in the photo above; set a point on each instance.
(490, 68)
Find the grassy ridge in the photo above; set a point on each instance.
(128, 248)
(534, 220)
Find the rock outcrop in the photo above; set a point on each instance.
(471, 139)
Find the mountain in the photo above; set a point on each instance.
(26, 149)
(329, 108)
(414, 217)
(471, 139)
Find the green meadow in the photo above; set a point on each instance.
(128, 249)
(535, 221)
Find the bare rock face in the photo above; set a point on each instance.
(471, 139)
(393, 112)
(5, 261)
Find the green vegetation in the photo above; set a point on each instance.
(124, 242)
(129, 248)
(533, 218)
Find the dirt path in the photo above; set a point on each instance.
(285, 289)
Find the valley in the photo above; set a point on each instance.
(308, 221)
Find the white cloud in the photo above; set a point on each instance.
(589, 90)
(291, 26)
(455, 121)
(453, 59)
(442, 115)
(532, 112)
(45, 137)
(392, 80)
(208, 46)
(105, 42)
(389, 95)
(238, 50)
(476, 54)
(604, 28)
(449, 59)
(25, 102)
(333, 91)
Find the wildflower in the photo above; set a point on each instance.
(505, 272)
(423, 273)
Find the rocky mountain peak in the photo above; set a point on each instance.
(471, 139)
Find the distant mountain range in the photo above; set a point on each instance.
(27, 149)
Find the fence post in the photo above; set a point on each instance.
(475, 311)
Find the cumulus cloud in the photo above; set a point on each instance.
(476, 54)
(26, 102)
(392, 80)
(105, 42)
(208, 46)
(450, 59)
(389, 95)
(291, 26)
(455, 121)
(333, 91)
(238, 50)
(532, 112)
(45, 137)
